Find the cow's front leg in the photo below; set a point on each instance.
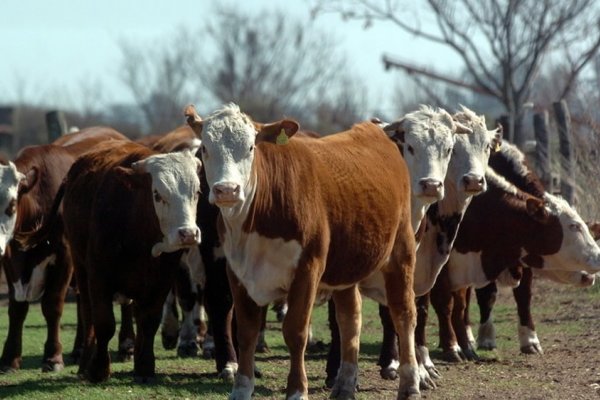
(247, 315)
(53, 301)
(11, 354)
(296, 324)
(530, 344)
(348, 315)
(147, 318)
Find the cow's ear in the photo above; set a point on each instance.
(594, 229)
(276, 132)
(395, 131)
(193, 120)
(497, 139)
(537, 209)
(130, 177)
(28, 181)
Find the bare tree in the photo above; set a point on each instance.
(160, 76)
(272, 65)
(502, 43)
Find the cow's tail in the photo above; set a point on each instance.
(43, 231)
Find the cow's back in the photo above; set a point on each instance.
(85, 182)
(350, 192)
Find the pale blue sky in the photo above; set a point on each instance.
(48, 47)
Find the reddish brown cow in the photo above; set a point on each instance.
(42, 272)
(299, 216)
(127, 214)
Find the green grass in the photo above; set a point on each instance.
(196, 378)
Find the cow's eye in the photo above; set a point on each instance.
(251, 148)
(575, 227)
(411, 150)
(11, 209)
(157, 197)
(203, 149)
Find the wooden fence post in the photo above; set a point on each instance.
(6, 130)
(56, 125)
(542, 149)
(503, 120)
(563, 120)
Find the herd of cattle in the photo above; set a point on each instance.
(261, 213)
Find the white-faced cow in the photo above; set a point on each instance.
(299, 216)
(42, 272)
(503, 228)
(464, 179)
(127, 213)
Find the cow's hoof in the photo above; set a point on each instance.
(7, 369)
(486, 345)
(126, 350)
(389, 373)
(188, 349)
(52, 366)
(144, 380)
(262, 348)
(433, 372)
(228, 373)
(257, 372)
(169, 342)
(408, 395)
(470, 355)
(452, 356)
(96, 375)
(426, 382)
(208, 353)
(534, 348)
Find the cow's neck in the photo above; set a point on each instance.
(418, 210)
(443, 220)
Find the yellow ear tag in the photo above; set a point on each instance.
(282, 138)
(497, 147)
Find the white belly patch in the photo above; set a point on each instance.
(264, 266)
(466, 270)
(34, 289)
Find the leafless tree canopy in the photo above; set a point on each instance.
(502, 43)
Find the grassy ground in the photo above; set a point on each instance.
(568, 327)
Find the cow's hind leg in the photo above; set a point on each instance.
(104, 326)
(528, 339)
(421, 338)
(348, 315)
(486, 298)
(296, 325)
(398, 275)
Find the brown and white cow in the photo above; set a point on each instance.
(299, 216)
(464, 179)
(521, 225)
(127, 213)
(42, 272)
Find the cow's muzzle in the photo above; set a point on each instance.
(226, 194)
(473, 183)
(189, 236)
(432, 188)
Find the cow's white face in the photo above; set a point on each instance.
(426, 138)
(9, 186)
(228, 140)
(578, 251)
(175, 193)
(470, 155)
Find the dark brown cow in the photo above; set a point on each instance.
(127, 214)
(42, 272)
(306, 215)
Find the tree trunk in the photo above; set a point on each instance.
(542, 149)
(563, 120)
